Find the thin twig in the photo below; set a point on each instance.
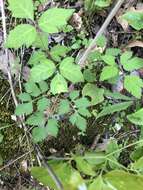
(13, 161)
(100, 32)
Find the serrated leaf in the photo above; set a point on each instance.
(95, 93)
(22, 8)
(82, 102)
(42, 71)
(101, 41)
(41, 41)
(114, 108)
(129, 63)
(84, 112)
(52, 127)
(36, 58)
(95, 158)
(42, 104)
(121, 180)
(79, 121)
(134, 18)
(43, 86)
(58, 51)
(102, 3)
(36, 119)
(71, 71)
(64, 107)
(58, 85)
(83, 166)
(108, 72)
(97, 184)
(25, 108)
(133, 85)
(116, 95)
(109, 59)
(54, 19)
(137, 117)
(39, 134)
(24, 97)
(113, 51)
(89, 76)
(32, 89)
(23, 34)
(74, 94)
(62, 170)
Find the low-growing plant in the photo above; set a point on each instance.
(58, 89)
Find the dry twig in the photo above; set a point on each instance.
(100, 32)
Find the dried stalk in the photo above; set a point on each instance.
(100, 32)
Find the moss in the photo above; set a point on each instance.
(10, 144)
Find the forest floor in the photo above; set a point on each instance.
(16, 152)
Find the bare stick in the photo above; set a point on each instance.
(6, 52)
(100, 32)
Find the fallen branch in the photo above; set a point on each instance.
(100, 32)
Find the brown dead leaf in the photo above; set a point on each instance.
(135, 43)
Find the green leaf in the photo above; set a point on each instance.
(101, 41)
(97, 184)
(71, 71)
(113, 146)
(121, 180)
(52, 127)
(43, 86)
(58, 51)
(41, 41)
(36, 58)
(25, 108)
(129, 63)
(102, 3)
(58, 85)
(116, 95)
(64, 107)
(79, 121)
(108, 72)
(24, 97)
(42, 71)
(36, 119)
(39, 134)
(63, 171)
(74, 94)
(83, 166)
(89, 76)
(137, 117)
(82, 103)
(138, 165)
(84, 112)
(133, 85)
(43, 104)
(113, 51)
(134, 18)
(54, 19)
(95, 93)
(22, 8)
(95, 158)
(109, 59)
(32, 89)
(23, 34)
(114, 108)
